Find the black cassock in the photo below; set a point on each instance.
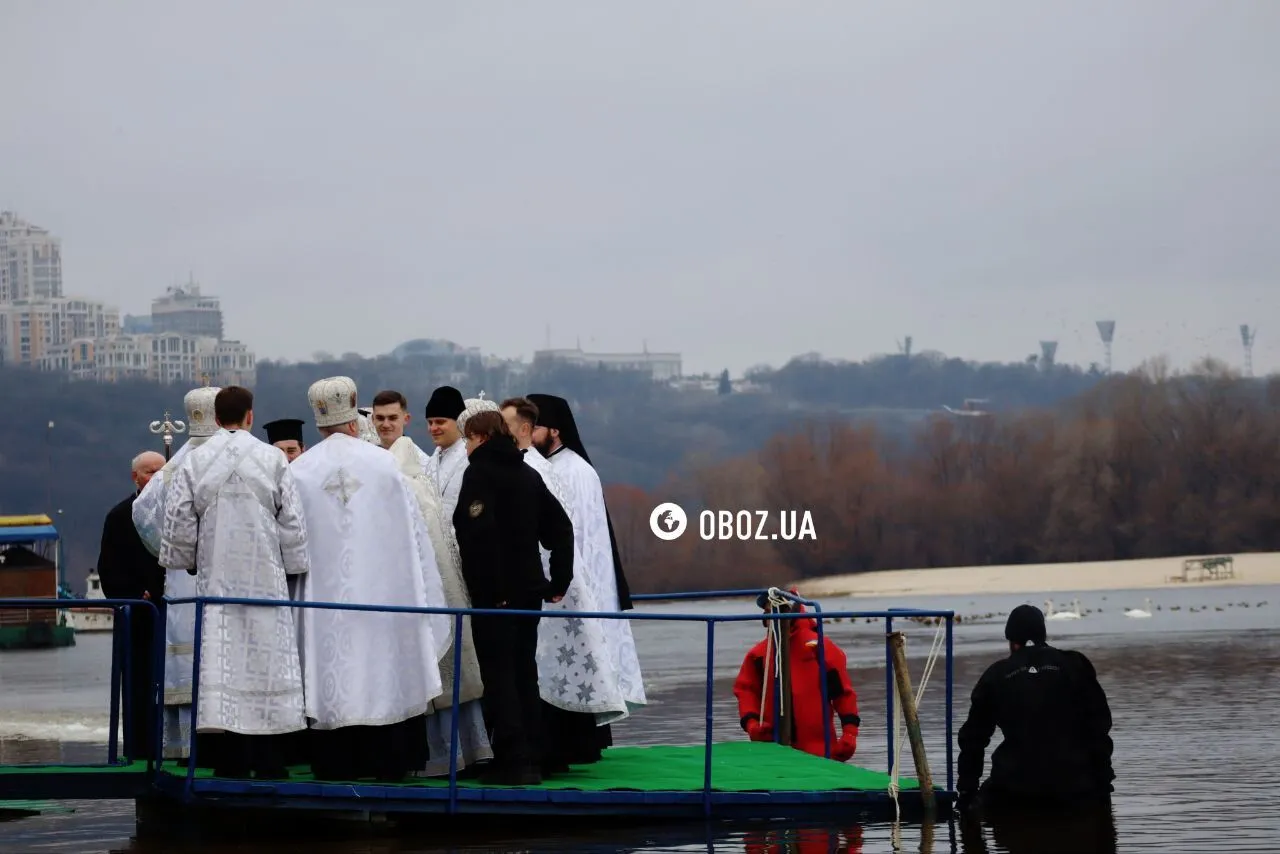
(128, 571)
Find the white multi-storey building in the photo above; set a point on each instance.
(30, 261)
(662, 367)
(167, 357)
(185, 310)
(30, 329)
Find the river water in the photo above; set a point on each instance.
(1194, 692)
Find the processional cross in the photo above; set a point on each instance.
(166, 429)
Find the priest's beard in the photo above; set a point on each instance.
(546, 446)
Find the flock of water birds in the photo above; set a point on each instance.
(1075, 612)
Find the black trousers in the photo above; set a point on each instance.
(507, 649)
(139, 704)
(572, 738)
(387, 752)
(231, 754)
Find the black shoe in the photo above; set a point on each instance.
(512, 775)
(552, 767)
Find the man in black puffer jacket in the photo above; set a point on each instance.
(504, 513)
(1056, 725)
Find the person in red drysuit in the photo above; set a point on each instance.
(804, 840)
(808, 716)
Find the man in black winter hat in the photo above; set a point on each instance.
(1056, 725)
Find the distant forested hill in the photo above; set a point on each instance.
(638, 433)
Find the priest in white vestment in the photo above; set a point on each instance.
(390, 417)
(370, 676)
(450, 458)
(233, 517)
(180, 620)
(586, 688)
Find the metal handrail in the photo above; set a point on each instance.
(121, 669)
(121, 662)
(710, 620)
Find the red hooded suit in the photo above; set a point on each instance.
(806, 693)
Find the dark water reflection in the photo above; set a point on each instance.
(1193, 695)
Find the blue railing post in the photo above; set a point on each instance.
(822, 679)
(711, 695)
(126, 678)
(888, 689)
(453, 722)
(117, 647)
(195, 697)
(157, 685)
(950, 722)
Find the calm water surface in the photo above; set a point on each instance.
(1194, 694)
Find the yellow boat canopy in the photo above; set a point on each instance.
(23, 521)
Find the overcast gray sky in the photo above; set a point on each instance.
(740, 181)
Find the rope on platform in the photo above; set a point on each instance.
(900, 727)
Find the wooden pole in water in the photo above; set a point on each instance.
(911, 715)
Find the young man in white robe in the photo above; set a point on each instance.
(370, 676)
(450, 458)
(588, 670)
(180, 620)
(234, 519)
(390, 417)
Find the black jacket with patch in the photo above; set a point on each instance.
(504, 512)
(1056, 725)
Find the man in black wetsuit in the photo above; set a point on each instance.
(1056, 725)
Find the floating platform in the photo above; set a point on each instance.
(748, 779)
(726, 781)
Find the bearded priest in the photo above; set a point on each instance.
(588, 670)
(370, 676)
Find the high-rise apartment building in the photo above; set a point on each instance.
(30, 261)
(184, 310)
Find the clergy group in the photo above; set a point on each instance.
(506, 513)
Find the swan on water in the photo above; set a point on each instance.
(1051, 614)
(1140, 613)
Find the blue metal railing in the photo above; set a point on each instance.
(817, 615)
(121, 669)
(121, 662)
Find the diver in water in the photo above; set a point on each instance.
(1056, 725)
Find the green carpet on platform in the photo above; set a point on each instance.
(741, 766)
(735, 767)
(132, 767)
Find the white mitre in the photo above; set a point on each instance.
(366, 428)
(474, 405)
(201, 422)
(333, 400)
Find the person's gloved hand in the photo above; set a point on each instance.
(843, 750)
(756, 733)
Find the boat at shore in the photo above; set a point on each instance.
(90, 619)
(30, 566)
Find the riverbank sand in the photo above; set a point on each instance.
(1038, 578)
